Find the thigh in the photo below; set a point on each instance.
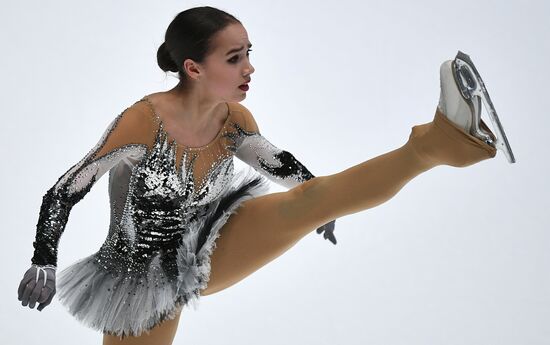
(162, 334)
(262, 229)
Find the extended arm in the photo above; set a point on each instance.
(278, 165)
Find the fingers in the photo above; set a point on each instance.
(26, 279)
(37, 286)
(45, 297)
(45, 303)
(29, 287)
(37, 290)
(329, 234)
(44, 294)
(47, 291)
(328, 229)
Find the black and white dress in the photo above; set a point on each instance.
(168, 203)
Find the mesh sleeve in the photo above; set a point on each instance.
(127, 135)
(280, 166)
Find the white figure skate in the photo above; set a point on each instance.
(462, 91)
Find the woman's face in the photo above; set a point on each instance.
(228, 66)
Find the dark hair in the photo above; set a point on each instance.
(189, 36)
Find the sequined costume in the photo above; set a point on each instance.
(168, 203)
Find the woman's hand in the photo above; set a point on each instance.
(328, 229)
(37, 285)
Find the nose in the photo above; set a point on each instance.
(251, 69)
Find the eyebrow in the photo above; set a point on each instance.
(237, 49)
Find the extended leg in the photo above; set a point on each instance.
(267, 226)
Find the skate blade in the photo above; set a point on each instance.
(473, 88)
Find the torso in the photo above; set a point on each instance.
(178, 131)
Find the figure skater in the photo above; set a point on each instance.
(183, 223)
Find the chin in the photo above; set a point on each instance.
(238, 98)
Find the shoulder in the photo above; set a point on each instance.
(135, 121)
(140, 110)
(243, 117)
(138, 115)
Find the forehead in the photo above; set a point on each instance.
(233, 36)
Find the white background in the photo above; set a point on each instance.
(458, 256)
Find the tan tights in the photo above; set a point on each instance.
(265, 227)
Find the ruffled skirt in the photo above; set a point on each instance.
(129, 304)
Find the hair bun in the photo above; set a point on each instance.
(164, 59)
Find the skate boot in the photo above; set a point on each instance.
(462, 91)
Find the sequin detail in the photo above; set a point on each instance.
(165, 218)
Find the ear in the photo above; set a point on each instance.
(192, 69)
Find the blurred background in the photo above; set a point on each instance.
(458, 256)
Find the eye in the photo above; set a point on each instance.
(232, 60)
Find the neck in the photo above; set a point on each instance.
(192, 108)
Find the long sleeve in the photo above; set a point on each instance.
(278, 165)
(124, 137)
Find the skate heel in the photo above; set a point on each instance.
(474, 92)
